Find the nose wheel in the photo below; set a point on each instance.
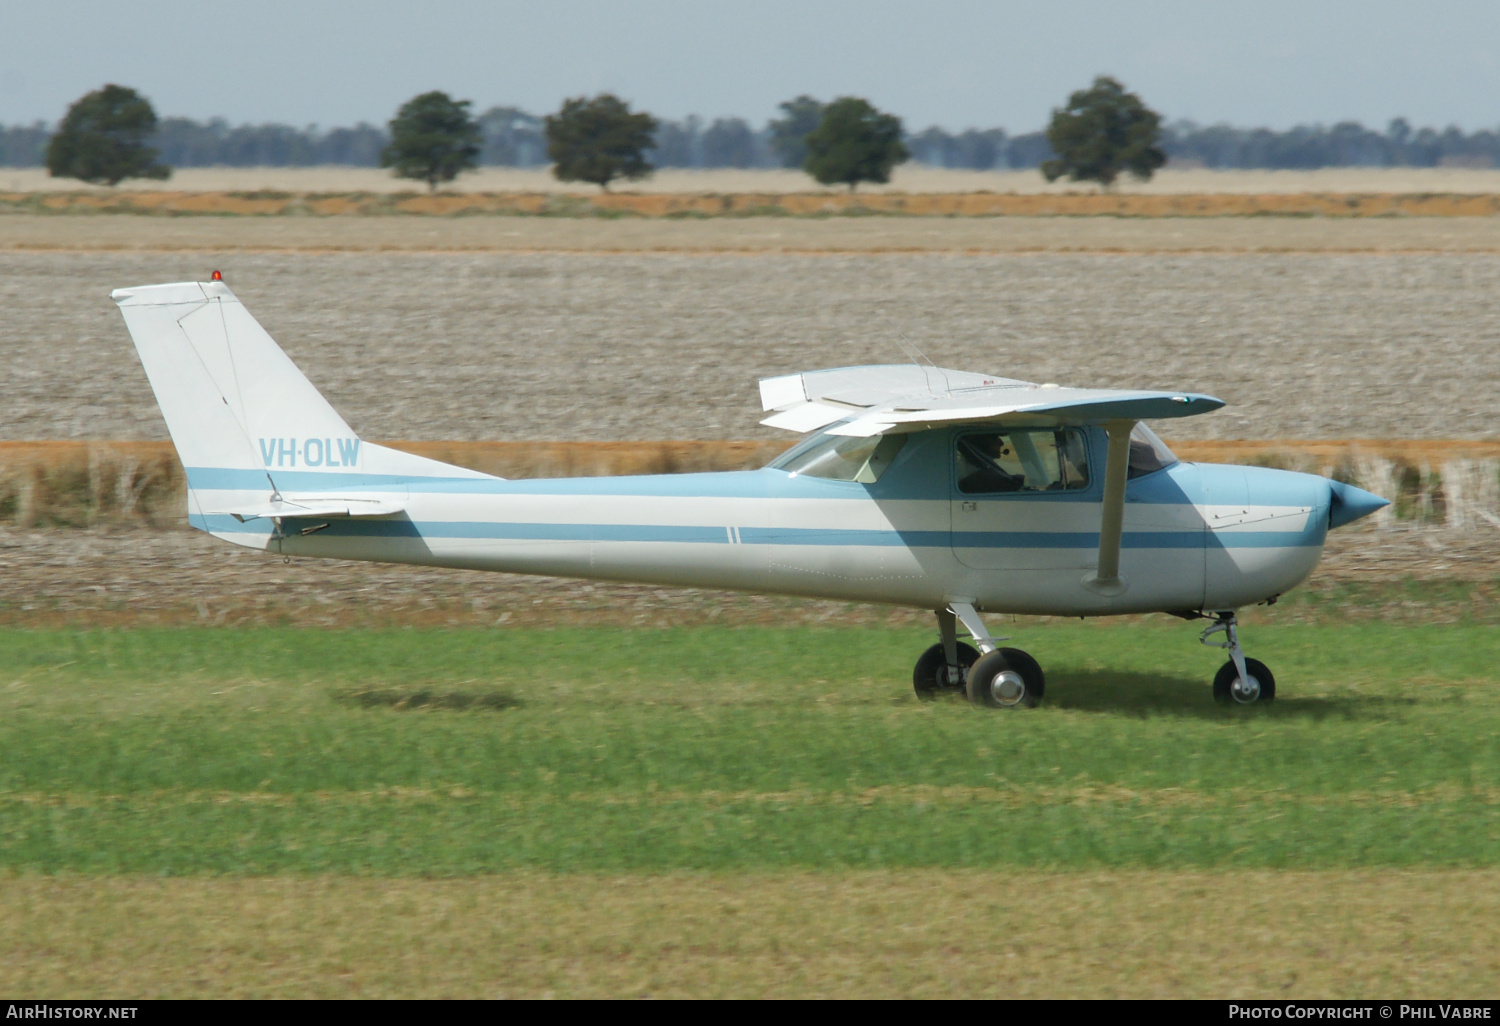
(1257, 685)
(1241, 681)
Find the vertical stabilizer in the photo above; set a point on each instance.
(256, 439)
(231, 398)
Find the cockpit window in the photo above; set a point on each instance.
(1023, 460)
(1148, 453)
(837, 458)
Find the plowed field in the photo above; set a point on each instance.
(648, 345)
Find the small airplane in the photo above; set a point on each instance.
(916, 486)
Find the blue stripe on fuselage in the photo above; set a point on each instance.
(701, 535)
(1174, 486)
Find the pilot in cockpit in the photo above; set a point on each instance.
(980, 471)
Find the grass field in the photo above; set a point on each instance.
(1004, 932)
(743, 811)
(436, 753)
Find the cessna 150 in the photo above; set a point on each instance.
(937, 489)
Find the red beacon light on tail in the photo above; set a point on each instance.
(216, 276)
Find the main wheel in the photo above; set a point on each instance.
(930, 677)
(1229, 689)
(1006, 678)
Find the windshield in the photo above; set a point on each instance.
(841, 459)
(1148, 453)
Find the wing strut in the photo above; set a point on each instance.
(1106, 579)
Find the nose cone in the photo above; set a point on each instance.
(1350, 503)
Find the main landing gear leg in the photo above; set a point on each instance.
(943, 668)
(1002, 678)
(1241, 681)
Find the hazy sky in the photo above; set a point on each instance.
(955, 63)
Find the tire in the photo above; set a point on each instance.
(1007, 678)
(929, 678)
(1224, 684)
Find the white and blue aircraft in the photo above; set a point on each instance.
(918, 486)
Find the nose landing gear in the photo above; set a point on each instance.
(1241, 681)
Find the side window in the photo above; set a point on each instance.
(1031, 460)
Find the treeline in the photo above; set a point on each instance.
(1346, 144)
(514, 138)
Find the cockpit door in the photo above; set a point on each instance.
(1023, 498)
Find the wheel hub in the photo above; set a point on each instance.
(1008, 687)
(1245, 689)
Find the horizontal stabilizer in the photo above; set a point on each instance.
(305, 506)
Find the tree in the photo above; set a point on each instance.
(729, 142)
(432, 139)
(599, 140)
(789, 133)
(1104, 130)
(854, 143)
(512, 137)
(102, 139)
(678, 143)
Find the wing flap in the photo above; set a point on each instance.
(806, 417)
(781, 393)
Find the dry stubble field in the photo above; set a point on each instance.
(648, 345)
(909, 178)
(663, 338)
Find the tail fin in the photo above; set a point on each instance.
(232, 399)
(248, 426)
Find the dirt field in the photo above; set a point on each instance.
(136, 576)
(649, 346)
(745, 205)
(637, 344)
(95, 533)
(213, 236)
(912, 178)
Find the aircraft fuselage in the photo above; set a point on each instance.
(1195, 536)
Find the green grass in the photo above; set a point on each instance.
(454, 752)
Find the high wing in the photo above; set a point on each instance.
(865, 401)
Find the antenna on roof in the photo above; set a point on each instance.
(918, 357)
